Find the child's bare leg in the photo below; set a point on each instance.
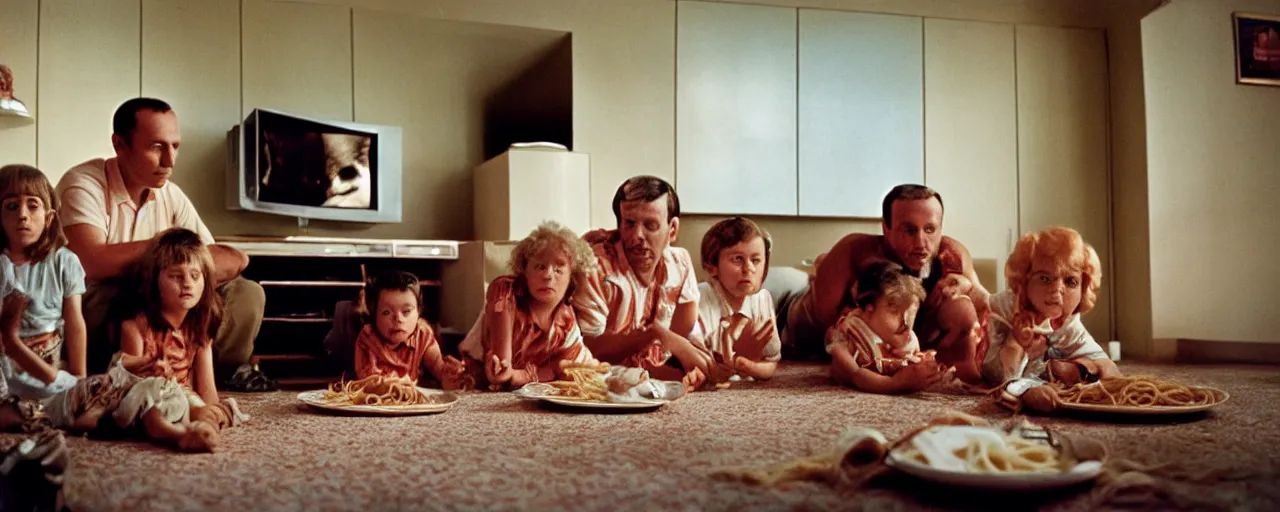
(160, 429)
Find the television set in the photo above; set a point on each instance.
(287, 164)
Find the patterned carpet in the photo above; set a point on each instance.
(495, 452)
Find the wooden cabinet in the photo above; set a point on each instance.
(1062, 142)
(860, 110)
(971, 134)
(736, 109)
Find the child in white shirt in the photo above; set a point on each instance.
(735, 315)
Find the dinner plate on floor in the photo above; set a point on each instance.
(903, 460)
(1220, 397)
(437, 402)
(546, 393)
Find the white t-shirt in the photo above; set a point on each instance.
(1071, 341)
(46, 283)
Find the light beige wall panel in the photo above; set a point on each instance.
(736, 109)
(439, 103)
(1062, 142)
(1130, 225)
(623, 79)
(18, 28)
(297, 58)
(971, 133)
(191, 59)
(89, 65)
(1212, 174)
(860, 110)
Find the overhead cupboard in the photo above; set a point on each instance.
(818, 113)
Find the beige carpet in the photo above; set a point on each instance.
(496, 452)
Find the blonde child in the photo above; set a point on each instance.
(171, 335)
(41, 285)
(873, 346)
(1035, 329)
(735, 315)
(398, 342)
(528, 326)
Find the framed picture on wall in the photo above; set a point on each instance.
(1257, 48)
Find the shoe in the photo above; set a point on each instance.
(249, 379)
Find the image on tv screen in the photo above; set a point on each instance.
(304, 163)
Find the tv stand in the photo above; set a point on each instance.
(303, 222)
(305, 277)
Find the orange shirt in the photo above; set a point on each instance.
(531, 344)
(93, 193)
(613, 301)
(168, 353)
(375, 356)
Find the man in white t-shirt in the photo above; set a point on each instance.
(112, 208)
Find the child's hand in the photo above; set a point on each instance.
(11, 311)
(455, 375)
(915, 377)
(694, 379)
(497, 371)
(685, 351)
(1035, 347)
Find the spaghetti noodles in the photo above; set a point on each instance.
(1138, 391)
(586, 381)
(375, 390)
(1003, 454)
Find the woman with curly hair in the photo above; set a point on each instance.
(1035, 329)
(528, 325)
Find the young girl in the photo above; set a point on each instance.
(41, 285)
(399, 343)
(528, 326)
(1035, 329)
(171, 335)
(873, 347)
(735, 315)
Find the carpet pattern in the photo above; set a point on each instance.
(493, 451)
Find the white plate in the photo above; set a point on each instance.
(1154, 410)
(438, 402)
(1020, 481)
(547, 393)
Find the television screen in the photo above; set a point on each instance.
(309, 164)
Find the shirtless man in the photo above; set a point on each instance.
(640, 307)
(948, 320)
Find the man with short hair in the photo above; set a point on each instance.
(640, 307)
(912, 237)
(112, 208)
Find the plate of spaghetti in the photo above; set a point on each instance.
(593, 385)
(989, 458)
(379, 396)
(1140, 394)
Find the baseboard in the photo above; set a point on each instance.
(1191, 351)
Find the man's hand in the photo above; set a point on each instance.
(693, 379)
(595, 236)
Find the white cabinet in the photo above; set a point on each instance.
(736, 109)
(516, 191)
(861, 113)
(971, 134)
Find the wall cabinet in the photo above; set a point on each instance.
(795, 112)
(736, 109)
(860, 111)
(971, 134)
